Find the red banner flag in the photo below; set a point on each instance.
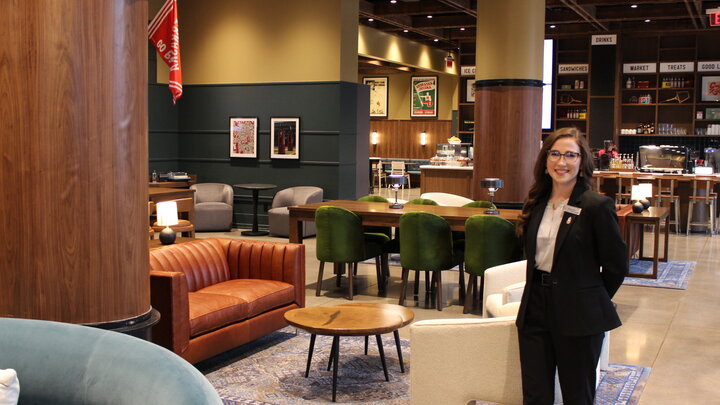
(164, 33)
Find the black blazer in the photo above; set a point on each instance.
(586, 242)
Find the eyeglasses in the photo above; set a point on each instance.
(570, 157)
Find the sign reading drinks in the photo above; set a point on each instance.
(467, 70)
(571, 69)
(604, 39)
(709, 66)
(670, 67)
(639, 67)
(424, 96)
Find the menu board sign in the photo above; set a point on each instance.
(572, 69)
(604, 39)
(467, 70)
(709, 66)
(639, 67)
(671, 67)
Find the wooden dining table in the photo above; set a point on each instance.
(380, 214)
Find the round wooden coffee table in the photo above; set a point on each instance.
(405, 313)
(343, 320)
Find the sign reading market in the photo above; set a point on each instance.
(639, 68)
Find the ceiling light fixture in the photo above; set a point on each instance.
(405, 30)
(429, 16)
(647, 21)
(371, 19)
(435, 40)
(462, 28)
(393, 1)
(553, 26)
(633, 6)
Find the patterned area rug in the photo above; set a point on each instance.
(671, 274)
(270, 371)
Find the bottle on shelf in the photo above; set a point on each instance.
(629, 83)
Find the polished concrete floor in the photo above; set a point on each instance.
(676, 332)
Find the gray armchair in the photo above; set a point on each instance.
(213, 206)
(279, 215)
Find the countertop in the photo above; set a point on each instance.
(446, 167)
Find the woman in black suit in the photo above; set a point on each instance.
(570, 233)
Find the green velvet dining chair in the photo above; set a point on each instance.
(421, 201)
(489, 241)
(480, 204)
(341, 240)
(392, 246)
(426, 245)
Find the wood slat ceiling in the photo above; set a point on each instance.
(454, 21)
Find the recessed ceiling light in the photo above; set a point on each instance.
(462, 28)
(430, 16)
(435, 40)
(553, 26)
(371, 19)
(647, 20)
(405, 30)
(393, 1)
(633, 6)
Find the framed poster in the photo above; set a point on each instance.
(424, 96)
(470, 91)
(710, 88)
(243, 137)
(378, 95)
(285, 138)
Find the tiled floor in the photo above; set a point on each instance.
(676, 332)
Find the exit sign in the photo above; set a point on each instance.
(714, 15)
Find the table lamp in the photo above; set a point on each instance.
(640, 193)
(492, 184)
(167, 216)
(396, 180)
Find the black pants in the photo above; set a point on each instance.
(542, 349)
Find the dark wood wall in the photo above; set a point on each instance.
(73, 125)
(401, 138)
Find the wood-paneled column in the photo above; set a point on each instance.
(73, 160)
(508, 95)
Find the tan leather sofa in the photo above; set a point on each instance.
(216, 294)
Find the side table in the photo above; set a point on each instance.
(255, 188)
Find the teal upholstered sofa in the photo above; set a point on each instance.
(59, 363)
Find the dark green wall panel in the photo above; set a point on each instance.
(194, 137)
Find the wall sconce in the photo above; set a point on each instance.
(167, 216)
(423, 138)
(374, 138)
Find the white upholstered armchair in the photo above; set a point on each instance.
(279, 215)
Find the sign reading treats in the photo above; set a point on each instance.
(671, 67)
(709, 66)
(639, 67)
(467, 70)
(604, 39)
(572, 69)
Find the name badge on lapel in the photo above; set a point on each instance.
(572, 210)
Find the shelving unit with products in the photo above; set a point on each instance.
(661, 86)
(572, 74)
(466, 101)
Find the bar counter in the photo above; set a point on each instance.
(446, 179)
(606, 182)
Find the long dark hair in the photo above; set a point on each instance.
(542, 186)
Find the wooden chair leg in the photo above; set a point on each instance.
(385, 266)
(428, 283)
(339, 270)
(416, 288)
(461, 281)
(403, 288)
(319, 281)
(472, 285)
(379, 275)
(352, 270)
(438, 288)
(480, 292)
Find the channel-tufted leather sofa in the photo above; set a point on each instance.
(216, 294)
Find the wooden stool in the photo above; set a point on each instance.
(666, 196)
(707, 197)
(624, 188)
